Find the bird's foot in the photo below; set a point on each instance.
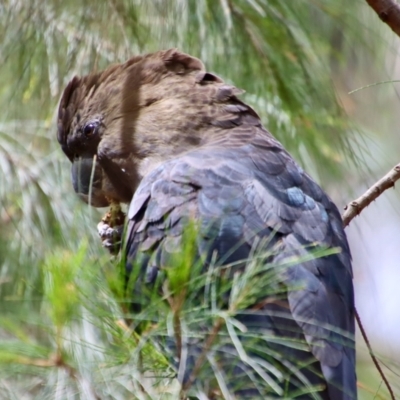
(111, 228)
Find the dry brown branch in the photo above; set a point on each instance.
(353, 209)
(55, 360)
(356, 206)
(388, 11)
(200, 361)
(374, 359)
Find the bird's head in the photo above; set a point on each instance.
(116, 125)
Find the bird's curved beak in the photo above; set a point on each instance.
(87, 180)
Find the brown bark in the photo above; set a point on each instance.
(356, 206)
(388, 11)
(353, 209)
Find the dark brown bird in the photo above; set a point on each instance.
(174, 141)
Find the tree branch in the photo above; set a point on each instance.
(353, 209)
(200, 361)
(374, 359)
(388, 11)
(356, 206)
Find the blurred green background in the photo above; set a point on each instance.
(297, 60)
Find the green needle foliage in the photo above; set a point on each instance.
(193, 326)
(62, 300)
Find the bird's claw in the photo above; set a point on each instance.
(111, 237)
(110, 230)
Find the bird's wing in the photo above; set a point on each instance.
(240, 196)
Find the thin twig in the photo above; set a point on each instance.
(203, 355)
(353, 209)
(388, 11)
(176, 304)
(57, 361)
(374, 359)
(178, 333)
(373, 84)
(356, 206)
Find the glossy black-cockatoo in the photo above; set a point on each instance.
(177, 144)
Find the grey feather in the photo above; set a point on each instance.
(247, 193)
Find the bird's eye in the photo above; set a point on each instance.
(89, 129)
